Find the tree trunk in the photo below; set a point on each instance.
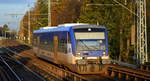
(121, 45)
(127, 50)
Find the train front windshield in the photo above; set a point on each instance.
(90, 45)
(90, 41)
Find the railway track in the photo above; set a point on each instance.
(6, 72)
(21, 72)
(52, 70)
(14, 70)
(16, 50)
(145, 67)
(118, 73)
(127, 74)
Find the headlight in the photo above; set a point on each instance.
(78, 54)
(104, 53)
(100, 41)
(105, 57)
(92, 57)
(78, 58)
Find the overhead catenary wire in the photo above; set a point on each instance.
(126, 7)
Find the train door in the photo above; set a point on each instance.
(38, 45)
(69, 50)
(38, 41)
(55, 49)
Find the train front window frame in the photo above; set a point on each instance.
(85, 38)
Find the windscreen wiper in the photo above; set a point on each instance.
(85, 44)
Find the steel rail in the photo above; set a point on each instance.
(53, 70)
(4, 75)
(23, 64)
(131, 72)
(63, 72)
(10, 68)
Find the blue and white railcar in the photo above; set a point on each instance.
(80, 47)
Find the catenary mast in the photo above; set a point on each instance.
(142, 55)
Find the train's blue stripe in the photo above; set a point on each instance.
(47, 34)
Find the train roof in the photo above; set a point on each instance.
(48, 27)
(52, 29)
(66, 27)
(72, 24)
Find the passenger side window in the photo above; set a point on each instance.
(63, 41)
(63, 45)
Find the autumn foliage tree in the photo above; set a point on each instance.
(66, 11)
(117, 19)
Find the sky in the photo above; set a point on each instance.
(9, 7)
